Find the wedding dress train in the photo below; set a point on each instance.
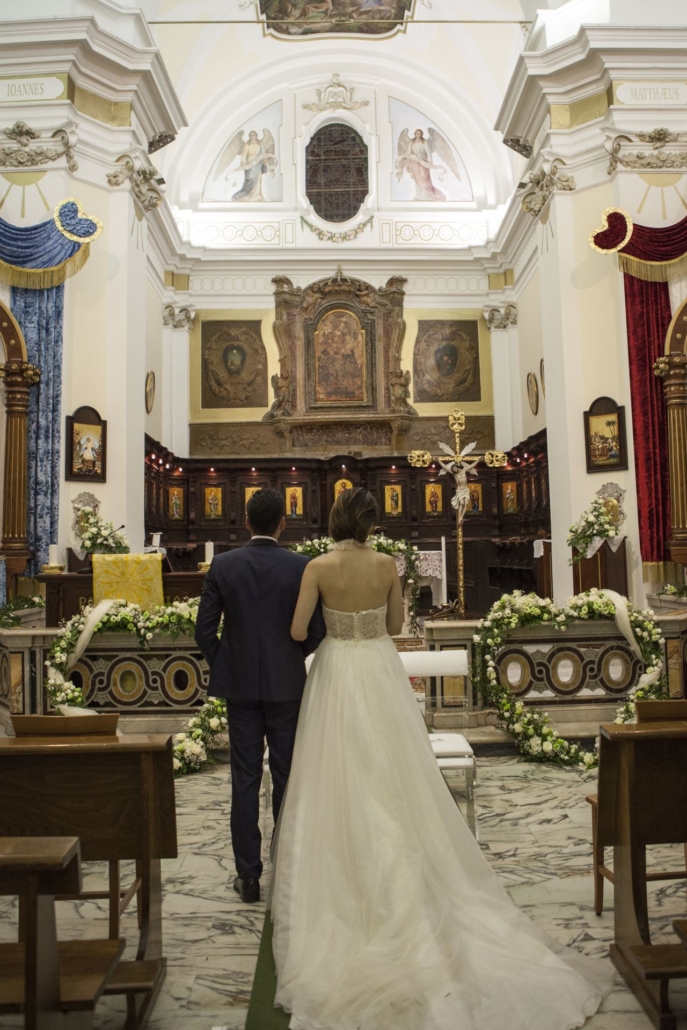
(386, 914)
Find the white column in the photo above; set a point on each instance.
(125, 369)
(177, 322)
(505, 370)
(568, 487)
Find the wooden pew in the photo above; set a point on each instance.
(53, 984)
(647, 711)
(117, 795)
(642, 800)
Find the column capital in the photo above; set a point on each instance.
(501, 317)
(178, 318)
(143, 180)
(19, 373)
(544, 183)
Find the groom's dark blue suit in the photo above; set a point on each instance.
(260, 670)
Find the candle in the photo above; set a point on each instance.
(209, 551)
(53, 560)
(156, 539)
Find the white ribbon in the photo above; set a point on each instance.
(622, 621)
(98, 613)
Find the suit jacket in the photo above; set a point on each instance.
(255, 659)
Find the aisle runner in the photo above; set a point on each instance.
(262, 1014)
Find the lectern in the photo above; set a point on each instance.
(643, 800)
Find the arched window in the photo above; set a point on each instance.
(336, 178)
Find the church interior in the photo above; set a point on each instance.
(433, 249)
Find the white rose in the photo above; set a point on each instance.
(589, 759)
(214, 723)
(176, 764)
(547, 746)
(517, 727)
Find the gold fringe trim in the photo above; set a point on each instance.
(653, 271)
(82, 214)
(655, 572)
(43, 278)
(604, 226)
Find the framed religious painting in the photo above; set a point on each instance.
(293, 497)
(176, 503)
(86, 446)
(393, 499)
(213, 503)
(605, 440)
(509, 497)
(248, 492)
(475, 499)
(532, 392)
(339, 351)
(341, 485)
(434, 499)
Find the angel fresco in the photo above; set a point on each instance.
(256, 156)
(415, 157)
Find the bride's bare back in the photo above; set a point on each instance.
(351, 578)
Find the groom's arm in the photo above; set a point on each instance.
(317, 631)
(209, 614)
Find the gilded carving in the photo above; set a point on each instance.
(656, 159)
(446, 361)
(234, 360)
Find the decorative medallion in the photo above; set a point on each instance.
(150, 391)
(533, 392)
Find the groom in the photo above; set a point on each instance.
(257, 667)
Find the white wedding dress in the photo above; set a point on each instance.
(386, 914)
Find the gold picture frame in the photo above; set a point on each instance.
(434, 498)
(213, 506)
(341, 485)
(509, 497)
(475, 499)
(176, 503)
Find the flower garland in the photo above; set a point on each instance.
(327, 236)
(99, 536)
(535, 738)
(193, 746)
(8, 620)
(593, 524)
(385, 545)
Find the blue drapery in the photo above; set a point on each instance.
(39, 313)
(36, 260)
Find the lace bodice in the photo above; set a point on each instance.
(369, 625)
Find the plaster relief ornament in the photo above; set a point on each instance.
(25, 155)
(545, 183)
(256, 157)
(142, 178)
(415, 157)
(335, 97)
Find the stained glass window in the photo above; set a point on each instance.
(336, 179)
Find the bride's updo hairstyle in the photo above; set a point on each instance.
(353, 515)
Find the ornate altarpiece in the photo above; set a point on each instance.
(340, 381)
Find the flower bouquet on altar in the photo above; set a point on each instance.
(99, 536)
(591, 529)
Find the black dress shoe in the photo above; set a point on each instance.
(248, 890)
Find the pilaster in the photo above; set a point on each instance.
(502, 323)
(177, 322)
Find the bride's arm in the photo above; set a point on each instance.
(306, 604)
(394, 611)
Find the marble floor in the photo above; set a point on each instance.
(533, 827)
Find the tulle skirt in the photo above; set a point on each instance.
(386, 914)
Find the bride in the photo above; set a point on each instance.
(386, 914)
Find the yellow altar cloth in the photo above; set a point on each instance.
(136, 578)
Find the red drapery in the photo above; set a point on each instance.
(648, 257)
(647, 307)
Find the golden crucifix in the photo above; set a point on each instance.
(459, 464)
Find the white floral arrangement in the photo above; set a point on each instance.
(99, 536)
(535, 738)
(594, 524)
(384, 544)
(179, 617)
(192, 748)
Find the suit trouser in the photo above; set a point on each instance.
(250, 723)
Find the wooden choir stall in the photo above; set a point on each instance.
(642, 800)
(116, 795)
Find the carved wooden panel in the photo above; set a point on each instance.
(234, 365)
(446, 361)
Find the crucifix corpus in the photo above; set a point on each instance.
(460, 464)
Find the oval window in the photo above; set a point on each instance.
(336, 175)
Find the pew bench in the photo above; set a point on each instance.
(55, 984)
